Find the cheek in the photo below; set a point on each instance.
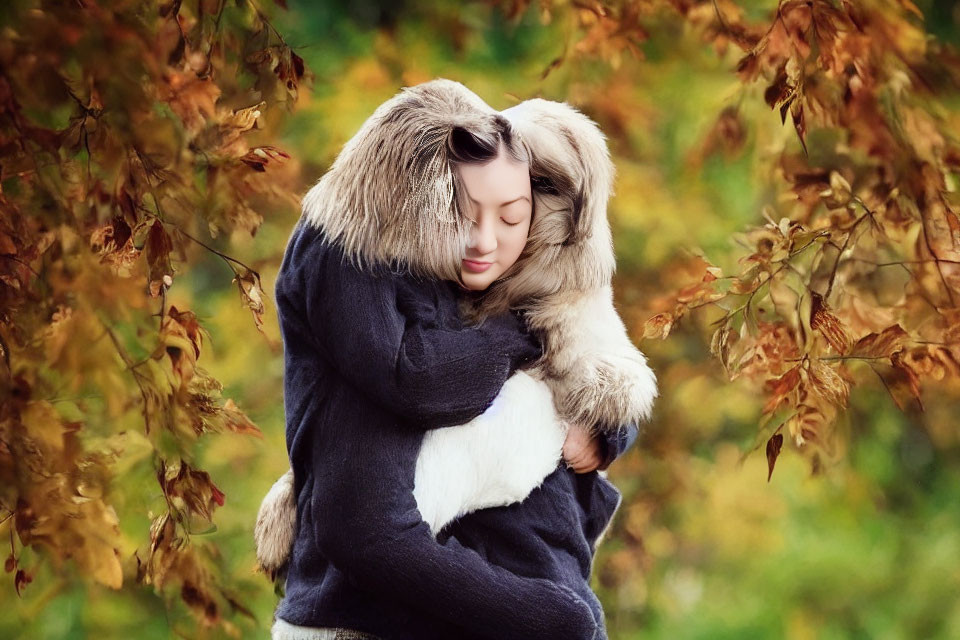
(511, 245)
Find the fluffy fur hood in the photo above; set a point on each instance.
(389, 196)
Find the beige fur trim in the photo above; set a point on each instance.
(276, 526)
(389, 195)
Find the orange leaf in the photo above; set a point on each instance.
(781, 387)
(881, 344)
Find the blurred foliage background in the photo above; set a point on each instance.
(703, 546)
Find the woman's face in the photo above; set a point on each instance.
(501, 207)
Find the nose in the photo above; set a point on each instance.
(483, 238)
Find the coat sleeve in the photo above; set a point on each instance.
(452, 582)
(614, 444)
(387, 343)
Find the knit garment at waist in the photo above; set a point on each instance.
(283, 630)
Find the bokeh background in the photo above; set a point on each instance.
(703, 545)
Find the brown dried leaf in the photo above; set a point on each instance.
(658, 326)
(251, 292)
(799, 122)
(259, 157)
(901, 383)
(192, 98)
(774, 444)
(720, 343)
(880, 345)
(829, 384)
(237, 421)
(21, 579)
(780, 388)
(829, 325)
(931, 361)
(158, 248)
(194, 487)
(180, 340)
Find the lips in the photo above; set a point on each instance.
(476, 266)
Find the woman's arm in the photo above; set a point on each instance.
(363, 516)
(389, 346)
(403, 561)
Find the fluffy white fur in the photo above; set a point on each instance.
(389, 198)
(494, 460)
(597, 375)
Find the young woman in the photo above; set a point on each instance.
(375, 354)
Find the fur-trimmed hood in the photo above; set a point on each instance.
(389, 196)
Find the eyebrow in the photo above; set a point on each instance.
(503, 204)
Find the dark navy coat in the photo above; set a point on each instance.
(373, 359)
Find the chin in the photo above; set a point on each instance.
(473, 283)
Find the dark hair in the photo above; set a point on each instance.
(469, 147)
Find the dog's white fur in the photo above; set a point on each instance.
(389, 198)
(597, 376)
(496, 459)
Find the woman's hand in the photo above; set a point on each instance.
(582, 452)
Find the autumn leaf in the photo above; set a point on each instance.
(191, 486)
(259, 158)
(780, 388)
(880, 345)
(21, 579)
(829, 326)
(251, 292)
(158, 248)
(774, 445)
(237, 421)
(829, 384)
(901, 382)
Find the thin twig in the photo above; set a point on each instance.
(846, 242)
